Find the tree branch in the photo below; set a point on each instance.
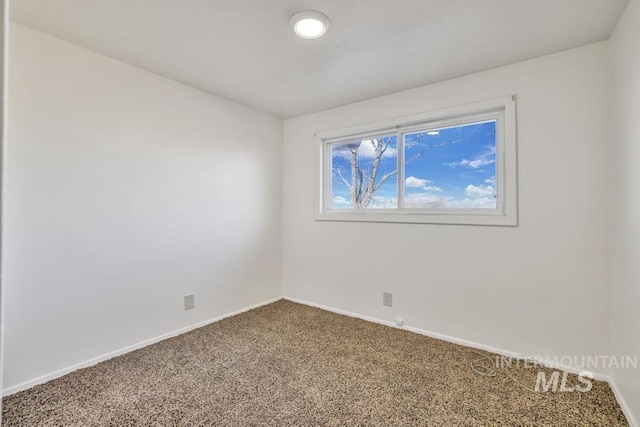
(383, 179)
(344, 181)
(360, 186)
(354, 178)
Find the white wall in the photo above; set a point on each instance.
(625, 202)
(539, 288)
(126, 191)
(4, 40)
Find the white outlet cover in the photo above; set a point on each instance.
(387, 299)
(189, 301)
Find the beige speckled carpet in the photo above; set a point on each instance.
(288, 364)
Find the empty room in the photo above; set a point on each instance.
(320, 212)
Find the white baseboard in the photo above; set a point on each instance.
(454, 340)
(633, 422)
(59, 373)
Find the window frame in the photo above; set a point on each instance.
(503, 110)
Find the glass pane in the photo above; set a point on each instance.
(365, 173)
(451, 168)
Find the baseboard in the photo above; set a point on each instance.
(633, 422)
(443, 337)
(59, 373)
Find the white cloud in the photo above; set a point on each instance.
(478, 163)
(425, 184)
(480, 191)
(484, 159)
(491, 181)
(433, 188)
(339, 200)
(413, 182)
(367, 150)
(432, 201)
(380, 202)
(424, 201)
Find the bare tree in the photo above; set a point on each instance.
(363, 185)
(363, 182)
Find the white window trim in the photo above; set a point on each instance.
(506, 214)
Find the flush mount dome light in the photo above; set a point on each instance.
(309, 24)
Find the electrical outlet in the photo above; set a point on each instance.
(189, 301)
(387, 299)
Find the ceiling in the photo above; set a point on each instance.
(244, 50)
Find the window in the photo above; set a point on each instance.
(456, 166)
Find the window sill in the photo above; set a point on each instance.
(491, 218)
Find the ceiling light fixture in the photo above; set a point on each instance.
(310, 24)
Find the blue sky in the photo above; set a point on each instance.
(448, 168)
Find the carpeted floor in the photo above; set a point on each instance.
(288, 364)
